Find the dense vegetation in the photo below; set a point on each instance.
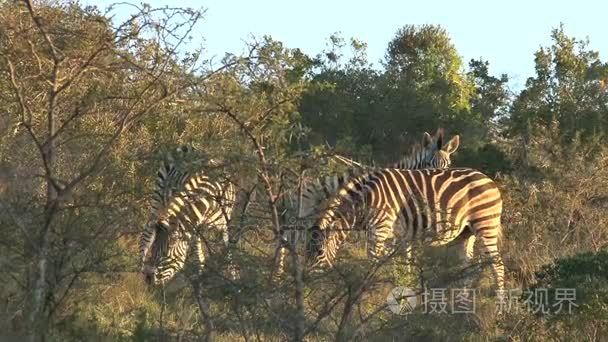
(90, 107)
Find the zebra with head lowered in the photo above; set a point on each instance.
(432, 153)
(435, 205)
(181, 204)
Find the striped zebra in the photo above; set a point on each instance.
(169, 181)
(435, 205)
(432, 153)
(181, 204)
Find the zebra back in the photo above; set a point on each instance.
(202, 200)
(169, 179)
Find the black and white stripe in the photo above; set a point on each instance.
(434, 152)
(434, 205)
(181, 205)
(169, 181)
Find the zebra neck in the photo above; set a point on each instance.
(411, 162)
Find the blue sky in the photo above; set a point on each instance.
(506, 33)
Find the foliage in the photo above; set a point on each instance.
(76, 87)
(424, 86)
(588, 313)
(569, 90)
(90, 107)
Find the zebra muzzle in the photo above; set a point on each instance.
(149, 274)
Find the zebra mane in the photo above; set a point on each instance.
(320, 238)
(169, 179)
(337, 199)
(419, 153)
(189, 185)
(178, 168)
(194, 187)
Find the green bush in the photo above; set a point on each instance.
(587, 275)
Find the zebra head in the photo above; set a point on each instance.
(167, 252)
(330, 230)
(432, 153)
(440, 152)
(316, 252)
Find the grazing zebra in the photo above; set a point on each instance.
(435, 205)
(181, 204)
(169, 181)
(432, 153)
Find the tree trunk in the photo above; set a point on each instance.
(204, 309)
(38, 316)
(300, 316)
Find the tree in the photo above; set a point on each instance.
(75, 89)
(577, 288)
(342, 103)
(423, 86)
(569, 91)
(422, 61)
(257, 95)
(491, 98)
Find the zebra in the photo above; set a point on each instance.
(169, 180)
(432, 153)
(181, 203)
(435, 205)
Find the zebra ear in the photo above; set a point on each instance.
(452, 145)
(427, 140)
(439, 138)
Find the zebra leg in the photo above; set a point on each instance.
(196, 247)
(232, 269)
(466, 244)
(200, 254)
(147, 238)
(403, 238)
(381, 232)
(488, 237)
(409, 257)
(280, 255)
(173, 261)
